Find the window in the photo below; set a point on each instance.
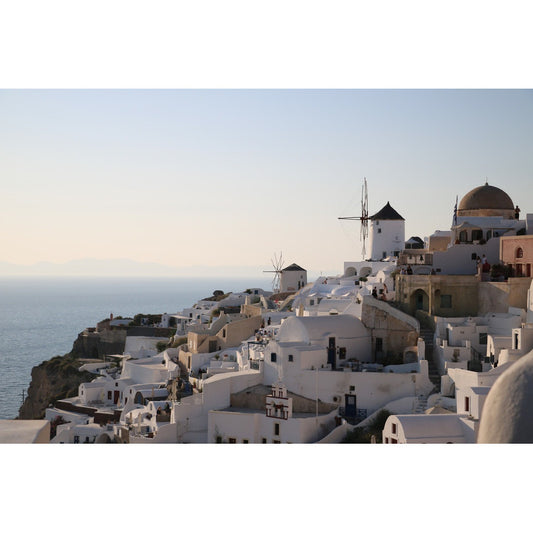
(379, 230)
(311, 302)
(394, 429)
(76, 439)
(379, 344)
(446, 300)
(276, 429)
(245, 441)
(273, 357)
(109, 395)
(291, 358)
(482, 338)
(342, 353)
(276, 442)
(519, 253)
(263, 440)
(393, 441)
(232, 440)
(219, 439)
(384, 254)
(467, 404)
(386, 440)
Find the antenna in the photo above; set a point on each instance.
(277, 263)
(363, 218)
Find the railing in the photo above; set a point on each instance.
(360, 415)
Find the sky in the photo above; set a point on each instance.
(231, 177)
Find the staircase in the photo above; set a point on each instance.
(421, 405)
(434, 376)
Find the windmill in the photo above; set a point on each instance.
(277, 263)
(364, 218)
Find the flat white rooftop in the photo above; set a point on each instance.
(24, 431)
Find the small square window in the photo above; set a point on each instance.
(245, 441)
(231, 440)
(263, 440)
(273, 357)
(291, 358)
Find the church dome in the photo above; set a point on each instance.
(507, 415)
(486, 200)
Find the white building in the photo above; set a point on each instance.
(275, 423)
(386, 233)
(427, 429)
(292, 278)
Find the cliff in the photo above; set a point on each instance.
(97, 344)
(59, 377)
(50, 381)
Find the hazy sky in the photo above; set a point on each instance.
(230, 177)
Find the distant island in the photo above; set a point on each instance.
(123, 267)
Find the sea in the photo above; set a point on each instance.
(40, 317)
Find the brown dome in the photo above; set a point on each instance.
(485, 201)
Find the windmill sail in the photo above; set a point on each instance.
(363, 218)
(277, 263)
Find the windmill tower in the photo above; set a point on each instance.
(277, 263)
(363, 218)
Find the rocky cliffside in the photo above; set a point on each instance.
(60, 378)
(50, 381)
(97, 344)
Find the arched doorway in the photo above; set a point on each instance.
(419, 300)
(350, 271)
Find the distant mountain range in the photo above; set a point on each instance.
(125, 267)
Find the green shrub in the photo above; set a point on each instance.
(363, 435)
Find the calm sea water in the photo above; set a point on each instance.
(41, 317)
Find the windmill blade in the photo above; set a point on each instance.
(364, 216)
(277, 264)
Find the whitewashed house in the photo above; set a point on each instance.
(276, 421)
(427, 429)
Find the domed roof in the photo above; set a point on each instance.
(486, 197)
(508, 409)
